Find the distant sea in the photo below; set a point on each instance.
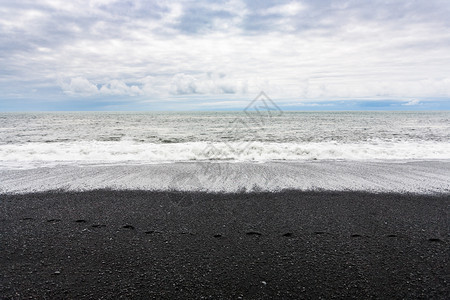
(63, 142)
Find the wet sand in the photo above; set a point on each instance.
(391, 176)
(137, 244)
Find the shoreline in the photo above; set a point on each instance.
(291, 244)
(422, 177)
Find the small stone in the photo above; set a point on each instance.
(253, 233)
(53, 220)
(434, 240)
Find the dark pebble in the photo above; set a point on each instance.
(152, 231)
(253, 233)
(434, 240)
(53, 220)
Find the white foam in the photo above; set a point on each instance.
(44, 154)
(423, 177)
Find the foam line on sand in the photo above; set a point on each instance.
(425, 177)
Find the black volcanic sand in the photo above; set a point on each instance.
(137, 244)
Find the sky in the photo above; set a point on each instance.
(219, 55)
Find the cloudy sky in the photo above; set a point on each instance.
(213, 55)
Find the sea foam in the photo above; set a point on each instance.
(120, 152)
(425, 177)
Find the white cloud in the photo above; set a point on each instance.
(79, 86)
(180, 84)
(183, 84)
(412, 102)
(208, 83)
(116, 87)
(288, 9)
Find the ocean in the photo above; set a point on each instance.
(248, 147)
(34, 139)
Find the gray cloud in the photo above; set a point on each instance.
(291, 49)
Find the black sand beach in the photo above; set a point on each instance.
(137, 244)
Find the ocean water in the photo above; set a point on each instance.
(226, 151)
(30, 140)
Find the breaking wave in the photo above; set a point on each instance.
(128, 151)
